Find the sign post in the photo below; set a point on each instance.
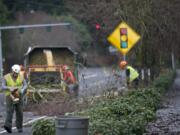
(1, 59)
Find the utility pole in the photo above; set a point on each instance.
(1, 60)
(22, 27)
(173, 61)
(124, 57)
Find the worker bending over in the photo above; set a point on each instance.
(132, 76)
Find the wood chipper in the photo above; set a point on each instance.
(43, 66)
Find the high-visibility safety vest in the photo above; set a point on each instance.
(133, 73)
(13, 83)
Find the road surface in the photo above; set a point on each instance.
(168, 117)
(26, 131)
(95, 81)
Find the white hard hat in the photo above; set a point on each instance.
(16, 68)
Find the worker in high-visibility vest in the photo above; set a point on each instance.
(14, 85)
(131, 73)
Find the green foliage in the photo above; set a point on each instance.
(129, 114)
(54, 7)
(3, 13)
(44, 127)
(126, 115)
(162, 82)
(80, 30)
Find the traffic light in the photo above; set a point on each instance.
(123, 38)
(98, 26)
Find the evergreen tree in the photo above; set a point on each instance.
(50, 6)
(3, 13)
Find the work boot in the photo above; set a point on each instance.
(9, 130)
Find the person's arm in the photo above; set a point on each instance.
(72, 78)
(4, 86)
(128, 76)
(127, 72)
(65, 76)
(24, 87)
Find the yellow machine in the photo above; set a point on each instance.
(43, 64)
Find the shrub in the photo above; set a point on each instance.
(44, 127)
(129, 114)
(163, 81)
(126, 115)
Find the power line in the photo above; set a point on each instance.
(33, 26)
(36, 3)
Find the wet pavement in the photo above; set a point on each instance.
(95, 81)
(29, 118)
(168, 117)
(26, 131)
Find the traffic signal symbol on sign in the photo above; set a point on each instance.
(124, 38)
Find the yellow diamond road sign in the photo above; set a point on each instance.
(123, 38)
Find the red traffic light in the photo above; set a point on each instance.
(123, 31)
(98, 26)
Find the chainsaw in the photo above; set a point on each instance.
(15, 96)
